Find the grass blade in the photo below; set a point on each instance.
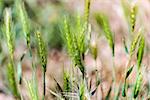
(129, 72)
(140, 51)
(137, 85)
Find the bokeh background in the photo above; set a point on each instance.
(48, 15)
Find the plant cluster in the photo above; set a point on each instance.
(76, 36)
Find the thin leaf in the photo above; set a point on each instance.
(19, 69)
(125, 46)
(67, 83)
(137, 85)
(124, 90)
(108, 93)
(140, 51)
(129, 72)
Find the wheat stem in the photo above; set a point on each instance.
(43, 57)
(44, 85)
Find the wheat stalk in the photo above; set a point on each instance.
(12, 80)
(104, 24)
(72, 46)
(124, 88)
(43, 57)
(67, 82)
(134, 44)
(24, 20)
(8, 29)
(10, 45)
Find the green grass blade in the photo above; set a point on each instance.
(140, 52)
(137, 85)
(129, 72)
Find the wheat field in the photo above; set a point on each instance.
(74, 49)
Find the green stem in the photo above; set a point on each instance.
(44, 83)
(114, 72)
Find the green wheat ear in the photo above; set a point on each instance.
(8, 31)
(133, 14)
(134, 43)
(67, 82)
(24, 20)
(87, 11)
(83, 35)
(42, 55)
(104, 24)
(72, 46)
(140, 52)
(10, 45)
(41, 50)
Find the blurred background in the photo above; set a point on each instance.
(48, 15)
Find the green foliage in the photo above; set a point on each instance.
(1, 7)
(133, 14)
(82, 92)
(77, 37)
(43, 57)
(77, 41)
(10, 45)
(41, 50)
(32, 87)
(134, 44)
(22, 15)
(12, 80)
(8, 31)
(19, 69)
(124, 89)
(67, 83)
(130, 12)
(87, 11)
(72, 46)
